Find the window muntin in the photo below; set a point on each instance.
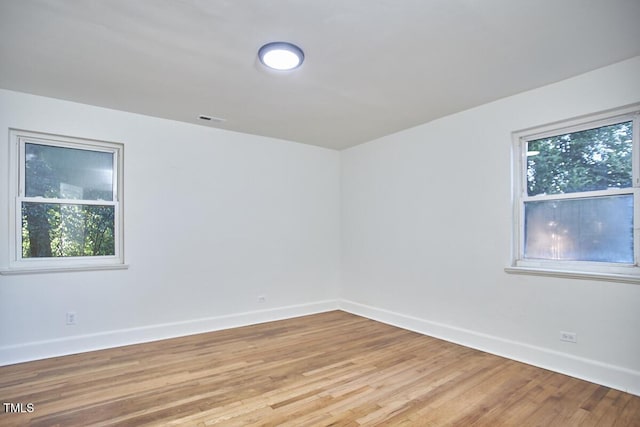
(68, 207)
(576, 195)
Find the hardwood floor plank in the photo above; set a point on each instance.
(329, 369)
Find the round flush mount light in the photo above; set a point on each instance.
(281, 56)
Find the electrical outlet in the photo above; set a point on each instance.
(262, 299)
(72, 318)
(568, 336)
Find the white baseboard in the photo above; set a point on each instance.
(82, 343)
(590, 370)
(594, 371)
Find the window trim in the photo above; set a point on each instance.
(629, 273)
(19, 265)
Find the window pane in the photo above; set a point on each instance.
(68, 173)
(57, 230)
(589, 160)
(589, 229)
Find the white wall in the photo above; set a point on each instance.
(213, 219)
(426, 220)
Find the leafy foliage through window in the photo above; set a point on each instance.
(61, 230)
(68, 201)
(589, 160)
(577, 196)
(63, 227)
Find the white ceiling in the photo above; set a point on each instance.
(372, 67)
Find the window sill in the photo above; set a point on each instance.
(608, 277)
(18, 271)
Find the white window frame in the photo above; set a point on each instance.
(19, 265)
(574, 269)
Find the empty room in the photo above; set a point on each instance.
(319, 213)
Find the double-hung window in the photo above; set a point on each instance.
(67, 203)
(576, 197)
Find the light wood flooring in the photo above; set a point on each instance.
(329, 369)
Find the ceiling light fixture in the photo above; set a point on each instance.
(281, 56)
